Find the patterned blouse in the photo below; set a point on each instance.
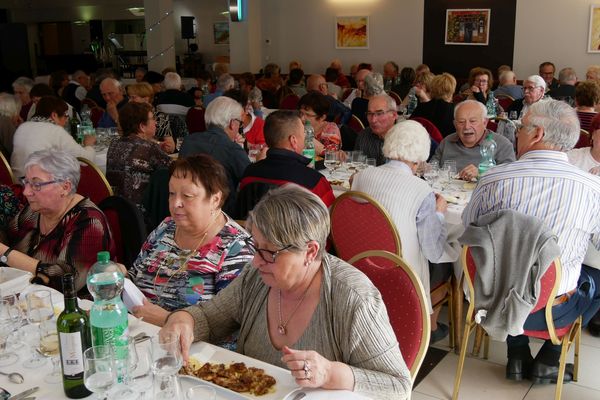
(129, 163)
(160, 275)
(72, 246)
(163, 126)
(330, 136)
(9, 205)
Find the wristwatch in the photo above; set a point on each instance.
(4, 257)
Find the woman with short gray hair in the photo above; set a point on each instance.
(415, 210)
(300, 308)
(373, 87)
(59, 231)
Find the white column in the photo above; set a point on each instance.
(160, 34)
(245, 40)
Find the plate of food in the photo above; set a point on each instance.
(239, 376)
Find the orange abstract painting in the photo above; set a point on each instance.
(594, 33)
(352, 33)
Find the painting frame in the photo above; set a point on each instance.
(460, 30)
(593, 44)
(351, 32)
(221, 33)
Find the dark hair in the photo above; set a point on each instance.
(295, 76)
(587, 93)
(248, 77)
(331, 74)
(203, 170)
(316, 101)
(238, 96)
(56, 79)
(545, 64)
(49, 104)
(40, 90)
(365, 66)
(277, 126)
(407, 76)
(153, 77)
(131, 115)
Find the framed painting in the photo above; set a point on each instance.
(594, 32)
(221, 32)
(352, 32)
(469, 26)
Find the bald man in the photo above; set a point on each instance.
(337, 109)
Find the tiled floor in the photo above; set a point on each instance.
(484, 379)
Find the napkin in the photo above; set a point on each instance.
(132, 296)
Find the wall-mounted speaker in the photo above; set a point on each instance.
(187, 28)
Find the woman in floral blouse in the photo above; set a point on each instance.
(314, 107)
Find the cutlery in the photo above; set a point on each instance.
(23, 395)
(299, 395)
(14, 377)
(141, 337)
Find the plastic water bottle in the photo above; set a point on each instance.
(108, 316)
(487, 149)
(309, 145)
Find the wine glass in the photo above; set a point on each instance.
(39, 306)
(49, 348)
(7, 357)
(126, 365)
(99, 372)
(371, 162)
(32, 336)
(203, 392)
(166, 362)
(332, 161)
(431, 171)
(140, 376)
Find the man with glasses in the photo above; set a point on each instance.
(382, 116)
(543, 184)
(546, 71)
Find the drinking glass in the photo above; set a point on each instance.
(332, 161)
(431, 171)
(371, 162)
(39, 306)
(179, 143)
(7, 357)
(125, 368)
(203, 392)
(31, 335)
(166, 362)
(513, 115)
(359, 159)
(99, 372)
(140, 376)
(49, 348)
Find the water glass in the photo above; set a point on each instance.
(39, 306)
(203, 392)
(31, 335)
(371, 162)
(99, 371)
(431, 172)
(49, 348)
(140, 376)
(125, 369)
(450, 168)
(513, 115)
(332, 160)
(7, 357)
(166, 362)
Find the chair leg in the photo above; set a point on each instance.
(451, 317)
(576, 351)
(479, 332)
(486, 345)
(457, 298)
(562, 366)
(461, 360)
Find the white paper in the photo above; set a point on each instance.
(132, 296)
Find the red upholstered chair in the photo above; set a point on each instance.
(95, 115)
(356, 124)
(584, 139)
(6, 175)
(564, 336)
(93, 183)
(395, 96)
(359, 223)
(505, 101)
(433, 130)
(346, 93)
(195, 120)
(289, 102)
(404, 298)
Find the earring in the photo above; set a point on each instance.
(307, 263)
(212, 213)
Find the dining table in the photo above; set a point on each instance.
(285, 389)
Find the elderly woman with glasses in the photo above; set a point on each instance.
(481, 82)
(300, 308)
(314, 107)
(59, 231)
(46, 130)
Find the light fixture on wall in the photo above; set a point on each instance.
(236, 10)
(137, 11)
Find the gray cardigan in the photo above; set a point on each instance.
(512, 251)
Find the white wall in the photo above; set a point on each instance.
(552, 30)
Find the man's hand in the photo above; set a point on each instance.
(468, 173)
(441, 205)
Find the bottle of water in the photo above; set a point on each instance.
(487, 148)
(108, 316)
(309, 145)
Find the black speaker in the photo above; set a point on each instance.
(96, 30)
(187, 28)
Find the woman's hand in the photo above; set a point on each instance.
(156, 315)
(475, 89)
(182, 323)
(168, 145)
(309, 368)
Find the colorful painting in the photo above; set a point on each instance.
(351, 32)
(594, 33)
(468, 26)
(221, 31)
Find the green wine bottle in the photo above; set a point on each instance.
(74, 338)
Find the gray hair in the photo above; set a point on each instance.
(408, 141)
(389, 101)
(10, 106)
(78, 74)
(567, 74)
(559, 121)
(481, 107)
(373, 84)
(537, 80)
(24, 82)
(58, 163)
(172, 81)
(110, 81)
(291, 215)
(506, 76)
(221, 111)
(225, 82)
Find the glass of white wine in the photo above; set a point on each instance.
(49, 348)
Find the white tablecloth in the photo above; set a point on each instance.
(100, 159)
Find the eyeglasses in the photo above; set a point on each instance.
(520, 125)
(378, 113)
(529, 88)
(37, 186)
(306, 114)
(239, 121)
(481, 81)
(270, 256)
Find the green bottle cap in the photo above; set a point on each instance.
(103, 256)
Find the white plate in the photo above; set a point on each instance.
(205, 352)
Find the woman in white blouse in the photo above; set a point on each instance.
(588, 158)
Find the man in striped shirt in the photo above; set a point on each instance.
(543, 184)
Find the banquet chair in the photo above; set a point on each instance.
(127, 226)
(564, 336)
(195, 120)
(405, 301)
(505, 101)
(6, 174)
(93, 183)
(584, 139)
(289, 102)
(95, 115)
(433, 130)
(356, 124)
(394, 96)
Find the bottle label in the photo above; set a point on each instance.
(309, 153)
(116, 336)
(71, 353)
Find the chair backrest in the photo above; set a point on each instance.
(405, 300)
(195, 120)
(549, 283)
(93, 183)
(356, 124)
(584, 139)
(505, 101)
(289, 102)
(126, 223)
(346, 93)
(249, 196)
(95, 115)
(395, 96)
(433, 130)
(359, 223)
(6, 174)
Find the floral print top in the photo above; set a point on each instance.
(330, 136)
